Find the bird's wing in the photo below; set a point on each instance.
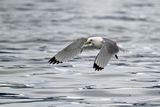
(68, 52)
(103, 57)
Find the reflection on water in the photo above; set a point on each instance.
(32, 31)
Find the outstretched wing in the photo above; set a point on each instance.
(103, 57)
(69, 52)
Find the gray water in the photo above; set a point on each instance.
(32, 31)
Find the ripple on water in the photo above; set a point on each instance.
(32, 31)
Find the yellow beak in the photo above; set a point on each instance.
(87, 44)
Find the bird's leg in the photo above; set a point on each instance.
(116, 56)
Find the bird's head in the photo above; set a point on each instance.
(94, 41)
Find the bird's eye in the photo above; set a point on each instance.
(89, 42)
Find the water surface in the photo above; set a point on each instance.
(32, 31)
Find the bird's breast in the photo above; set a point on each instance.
(97, 46)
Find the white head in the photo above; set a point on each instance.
(94, 41)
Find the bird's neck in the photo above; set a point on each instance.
(98, 42)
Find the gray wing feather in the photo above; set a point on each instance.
(102, 58)
(111, 46)
(68, 52)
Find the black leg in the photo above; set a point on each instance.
(116, 56)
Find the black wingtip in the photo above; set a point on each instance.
(97, 68)
(53, 60)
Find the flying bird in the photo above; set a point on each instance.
(108, 48)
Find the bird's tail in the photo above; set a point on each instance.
(122, 50)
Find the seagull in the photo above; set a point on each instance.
(107, 47)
